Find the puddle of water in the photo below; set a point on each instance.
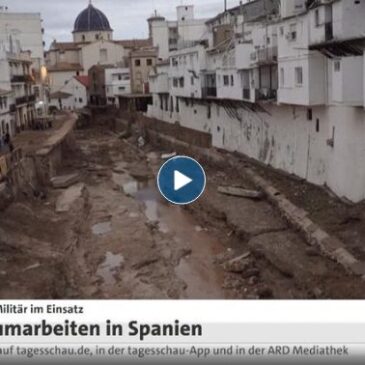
(204, 281)
(128, 184)
(109, 268)
(101, 229)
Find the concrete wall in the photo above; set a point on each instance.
(92, 36)
(92, 54)
(323, 145)
(57, 80)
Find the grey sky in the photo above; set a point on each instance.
(127, 17)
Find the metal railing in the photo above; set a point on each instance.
(209, 92)
(266, 94)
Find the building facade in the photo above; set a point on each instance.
(92, 44)
(282, 83)
(27, 29)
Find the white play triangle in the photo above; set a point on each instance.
(180, 180)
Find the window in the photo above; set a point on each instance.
(103, 55)
(174, 61)
(149, 62)
(316, 18)
(137, 63)
(192, 80)
(83, 38)
(282, 76)
(177, 105)
(232, 80)
(281, 31)
(309, 114)
(299, 75)
(120, 77)
(96, 36)
(337, 66)
(182, 82)
(175, 82)
(209, 111)
(80, 100)
(293, 32)
(225, 80)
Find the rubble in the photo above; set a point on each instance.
(68, 197)
(65, 181)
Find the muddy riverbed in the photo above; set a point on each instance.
(118, 238)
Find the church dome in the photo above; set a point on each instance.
(90, 20)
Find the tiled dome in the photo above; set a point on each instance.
(91, 19)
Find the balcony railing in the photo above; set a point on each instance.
(247, 94)
(209, 92)
(266, 94)
(265, 56)
(21, 78)
(25, 99)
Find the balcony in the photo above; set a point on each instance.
(247, 94)
(20, 78)
(265, 56)
(25, 99)
(266, 94)
(209, 92)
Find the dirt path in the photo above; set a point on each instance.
(120, 239)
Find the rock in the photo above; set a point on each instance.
(167, 156)
(65, 181)
(317, 292)
(68, 198)
(251, 273)
(238, 264)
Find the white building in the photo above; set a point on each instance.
(27, 29)
(72, 96)
(117, 83)
(281, 82)
(16, 78)
(170, 35)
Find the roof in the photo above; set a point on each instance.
(147, 52)
(91, 19)
(60, 95)
(65, 66)
(134, 43)
(84, 80)
(63, 46)
(4, 92)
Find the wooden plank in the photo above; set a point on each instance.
(241, 193)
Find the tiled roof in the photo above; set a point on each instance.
(84, 80)
(65, 66)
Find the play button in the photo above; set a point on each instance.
(181, 180)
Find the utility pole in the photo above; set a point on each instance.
(225, 6)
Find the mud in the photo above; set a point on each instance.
(119, 239)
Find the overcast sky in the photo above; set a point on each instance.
(127, 17)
